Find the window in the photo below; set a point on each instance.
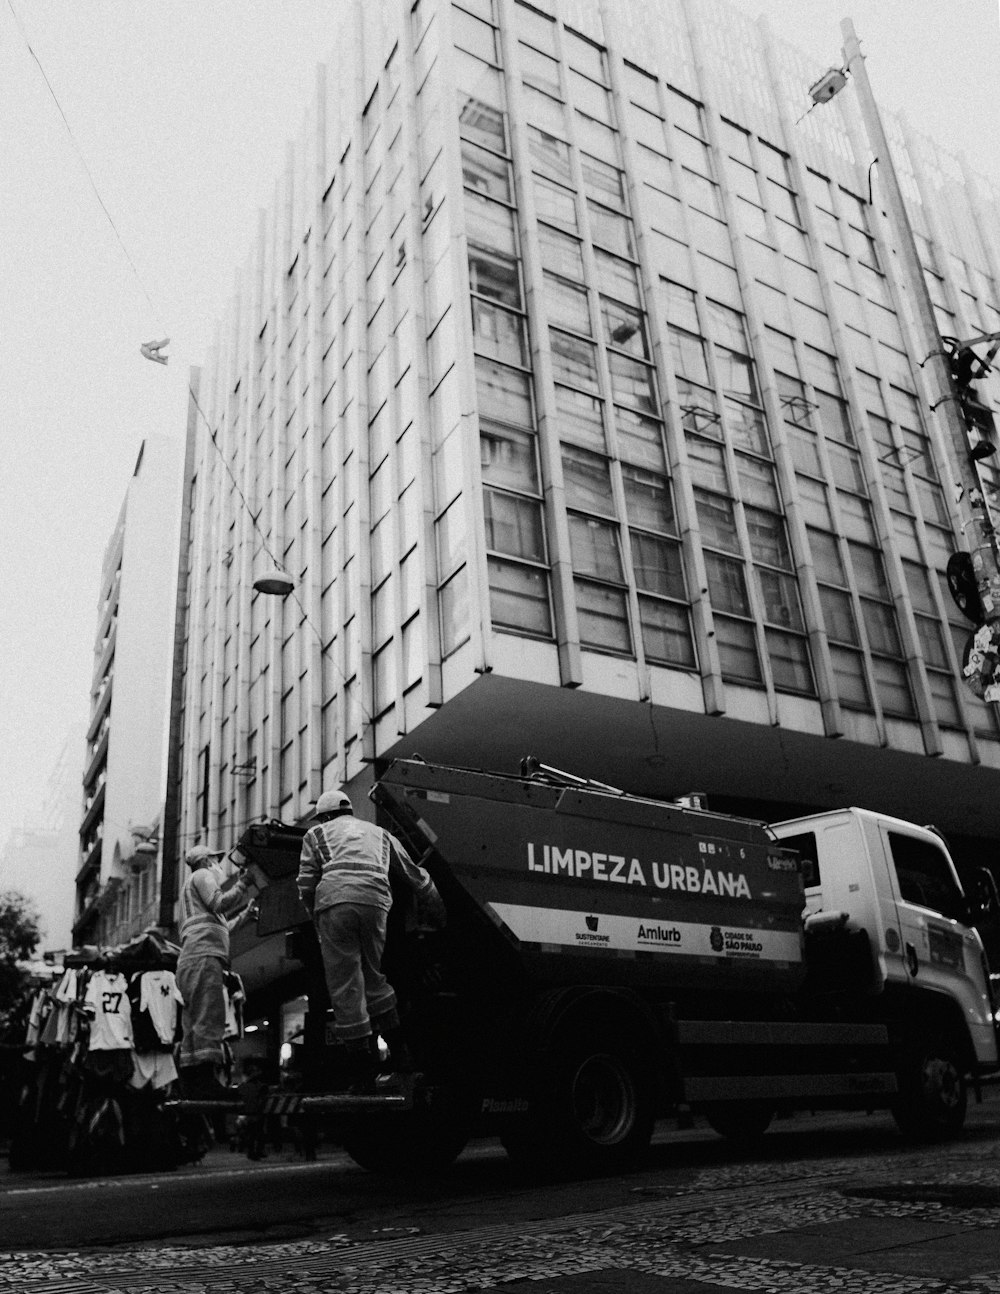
(519, 598)
(925, 876)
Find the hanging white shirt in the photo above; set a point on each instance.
(110, 1012)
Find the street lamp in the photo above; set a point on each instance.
(274, 580)
(964, 440)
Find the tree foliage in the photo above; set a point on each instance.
(19, 937)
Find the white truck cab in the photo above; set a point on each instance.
(896, 881)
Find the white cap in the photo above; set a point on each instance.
(333, 802)
(201, 854)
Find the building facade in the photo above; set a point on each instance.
(117, 877)
(573, 380)
(39, 858)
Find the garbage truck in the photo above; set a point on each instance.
(609, 959)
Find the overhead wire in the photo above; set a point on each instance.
(212, 432)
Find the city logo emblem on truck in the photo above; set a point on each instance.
(591, 922)
(716, 940)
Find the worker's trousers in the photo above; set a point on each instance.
(200, 982)
(352, 939)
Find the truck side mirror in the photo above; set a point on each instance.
(984, 899)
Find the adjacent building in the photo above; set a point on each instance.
(572, 379)
(117, 875)
(39, 858)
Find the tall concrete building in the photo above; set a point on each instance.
(39, 858)
(117, 882)
(572, 377)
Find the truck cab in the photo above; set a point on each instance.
(895, 882)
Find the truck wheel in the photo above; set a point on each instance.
(741, 1122)
(932, 1093)
(597, 1113)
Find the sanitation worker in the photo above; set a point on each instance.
(205, 908)
(343, 881)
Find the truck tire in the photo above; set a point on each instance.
(741, 1122)
(596, 1114)
(932, 1091)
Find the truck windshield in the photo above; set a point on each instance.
(925, 877)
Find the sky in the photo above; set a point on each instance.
(181, 110)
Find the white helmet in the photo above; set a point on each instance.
(333, 802)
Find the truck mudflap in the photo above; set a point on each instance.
(588, 876)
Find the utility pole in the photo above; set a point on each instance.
(951, 372)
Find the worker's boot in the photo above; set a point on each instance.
(400, 1057)
(362, 1067)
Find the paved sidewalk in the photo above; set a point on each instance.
(849, 1227)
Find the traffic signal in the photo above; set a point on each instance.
(966, 369)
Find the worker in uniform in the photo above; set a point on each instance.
(205, 925)
(344, 883)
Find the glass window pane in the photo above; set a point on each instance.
(481, 122)
(847, 471)
(736, 375)
(554, 203)
(647, 499)
(508, 457)
(485, 172)
(603, 616)
(579, 418)
(611, 230)
(561, 253)
(567, 305)
(453, 605)
(768, 540)
(893, 687)
(624, 327)
(573, 360)
(604, 182)
(500, 334)
(757, 482)
(838, 615)
(826, 557)
(633, 382)
(503, 393)
(737, 650)
(514, 525)
(494, 276)
(790, 665)
(932, 647)
(805, 451)
(717, 520)
(587, 481)
(489, 224)
(780, 596)
(666, 632)
(849, 672)
(477, 37)
(617, 278)
(747, 427)
(707, 463)
(869, 572)
(549, 154)
(519, 597)
(833, 416)
(856, 517)
(942, 690)
(658, 567)
(688, 353)
(640, 440)
(727, 585)
(880, 622)
(540, 71)
(594, 546)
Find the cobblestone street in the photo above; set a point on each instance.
(897, 1222)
